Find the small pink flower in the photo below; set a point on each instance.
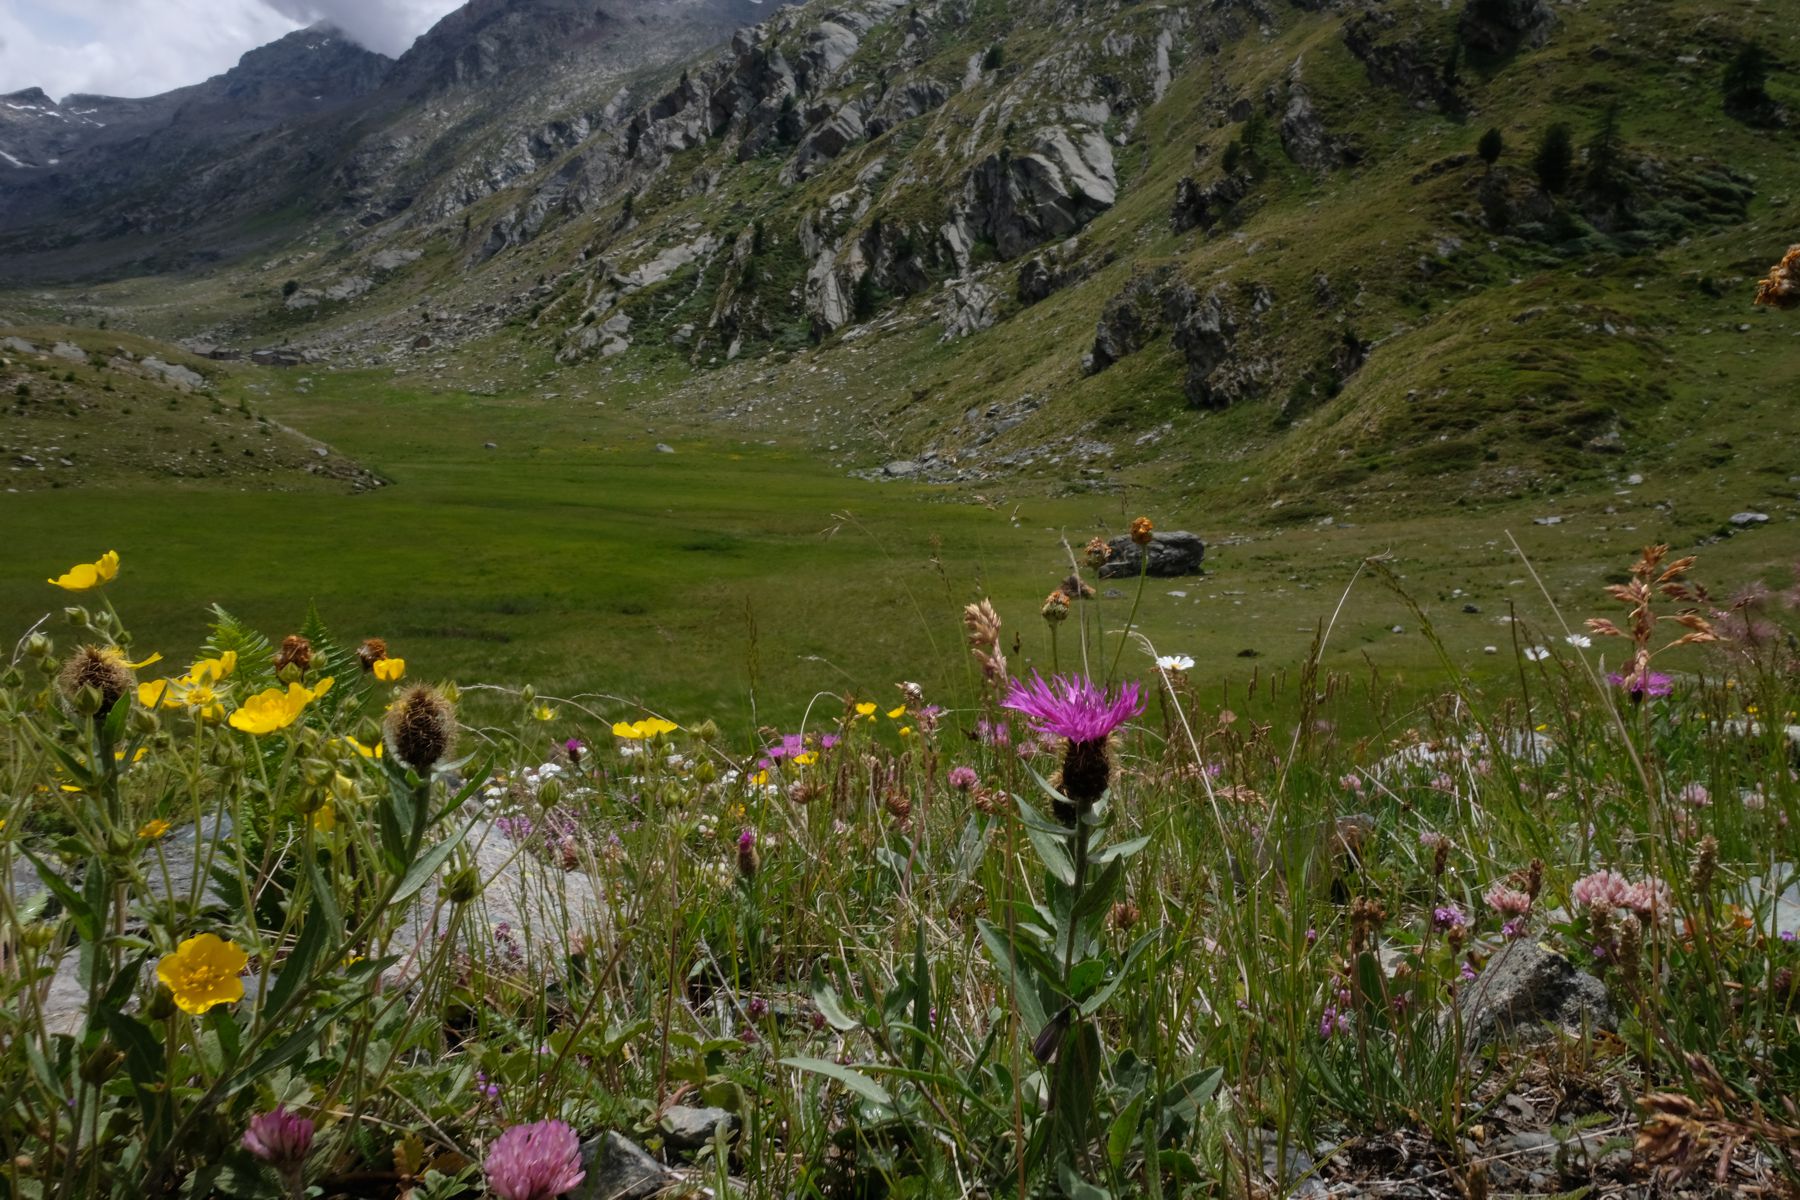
(963, 779)
(1602, 889)
(1352, 782)
(1508, 902)
(1695, 795)
(279, 1138)
(535, 1162)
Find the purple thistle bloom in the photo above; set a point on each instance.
(575, 749)
(279, 1138)
(1654, 685)
(1074, 707)
(535, 1162)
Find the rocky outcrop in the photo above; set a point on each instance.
(1303, 132)
(1393, 60)
(1021, 201)
(1502, 26)
(1130, 321)
(969, 307)
(1206, 330)
(1201, 206)
(1173, 553)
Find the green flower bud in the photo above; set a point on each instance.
(549, 793)
(707, 730)
(39, 646)
(462, 885)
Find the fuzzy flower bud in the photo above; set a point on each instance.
(420, 728)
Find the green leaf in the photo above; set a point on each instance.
(1026, 988)
(1033, 817)
(1106, 854)
(1092, 1004)
(1044, 784)
(825, 999)
(1097, 895)
(428, 865)
(86, 921)
(1049, 847)
(476, 780)
(143, 1053)
(856, 1081)
(1074, 1088)
(1075, 1187)
(1184, 1099)
(1124, 1132)
(314, 931)
(290, 1047)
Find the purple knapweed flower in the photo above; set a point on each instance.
(1074, 707)
(279, 1138)
(574, 749)
(535, 1162)
(1653, 685)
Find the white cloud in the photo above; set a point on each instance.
(385, 25)
(143, 47)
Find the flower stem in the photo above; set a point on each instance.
(1125, 633)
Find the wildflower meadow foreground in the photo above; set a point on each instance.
(291, 921)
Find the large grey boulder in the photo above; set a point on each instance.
(1526, 991)
(1176, 552)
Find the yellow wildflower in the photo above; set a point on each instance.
(807, 759)
(366, 751)
(150, 830)
(906, 731)
(638, 731)
(275, 709)
(82, 576)
(760, 779)
(542, 712)
(211, 670)
(894, 714)
(324, 818)
(866, 709)
(203, 972)
(389, 670)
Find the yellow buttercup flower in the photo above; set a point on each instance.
(275, 709)
(198, 696)
(544, 712)
(906, 731)
(366, 751)
(118, 656)
(637, 731)
(150, 830)
(83, 576)
(894, 714)
(203, 972)
(866, 709)
(807, 759)
(389, 670)
(211, 670)
(324, 818)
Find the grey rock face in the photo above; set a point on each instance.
(1205, 329)
(1022, 201)
(617, 1169)
(180, 376)
(1500, 26)
(969, 307)
(1201, 206)
(1526, 988)
(1176, 552)
(691, 1128)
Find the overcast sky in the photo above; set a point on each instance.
(142, 47)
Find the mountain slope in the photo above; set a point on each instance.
(1242, 248)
